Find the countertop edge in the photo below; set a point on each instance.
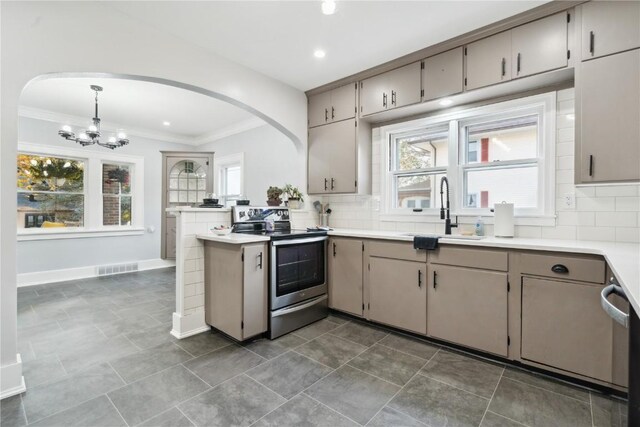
(233, 239)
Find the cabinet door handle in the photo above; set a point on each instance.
(326, 115)
(560, 269)
(420, 278)
(334, 249)
(590, 164)
(504, 67)
(260, 262)
(592, 42)
(325, 184)
(332, 183)
(518, 64)
(384, 100)
(435, 276)
(333, 113)
(393, 97)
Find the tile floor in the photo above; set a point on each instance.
(98, 353)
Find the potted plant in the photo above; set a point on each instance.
(294, 196)
(273, 196)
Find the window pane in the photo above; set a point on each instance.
(233, 180)
(424, 150)
(418, 191)
(517, 185)
(116, 210)
(50, 210)
(38, 173)
(116, 179)
(511, 139)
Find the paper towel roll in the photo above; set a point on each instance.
(503, 220)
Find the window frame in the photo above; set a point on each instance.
(222, 163)
(544, 105)
(93, 160)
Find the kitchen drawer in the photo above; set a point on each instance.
(475, 258)
(581, 268)
(396, 250)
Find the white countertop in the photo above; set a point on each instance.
(622, 258)
(234, 238)
(190, 209)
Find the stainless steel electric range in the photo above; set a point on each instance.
(297, 267)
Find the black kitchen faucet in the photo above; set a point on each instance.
(447, 218)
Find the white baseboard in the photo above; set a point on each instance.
(11, 379)
(51, 276)
(186, 326)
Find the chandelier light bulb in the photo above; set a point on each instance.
(83, 136)
(319, 53)
(112, 139)
(93, 128)
(66, 128)
(328, 7)
(122, 135)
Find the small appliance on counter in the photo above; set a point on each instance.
(503, 220)
(210, 202)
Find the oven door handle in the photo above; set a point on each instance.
(298, 307)
(290, 242)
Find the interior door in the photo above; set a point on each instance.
(345, 275)
(188, 177)
(488, 61)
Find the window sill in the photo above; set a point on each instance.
(434, 218)
(79, 233)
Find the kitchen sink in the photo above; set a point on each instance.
(445, 236)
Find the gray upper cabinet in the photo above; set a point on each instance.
(332, 106)
(609, 27)
(393, 89)
(488, 61)
(442, 74)
(607, 111)
(539, 46)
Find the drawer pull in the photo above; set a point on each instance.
(560, 269)
(435, 276)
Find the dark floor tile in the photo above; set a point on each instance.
(316, 329)
(238, 402)
(289, 374)
(220, 365)
(388, 417)
(273, 348)
(338, 318)
(464, 372)
(44, 319)
(91, 314)
(546, 383)
(537, 407)
(38, 371)
(163, 315)
(152, 337)
(171, 418)
(148, 397)
(303, 410)
(84, 355)
(353, 393)
(437, 404)
(331, 350)
(138, 309)
(63, 340)
(49, 398)
(494, 420)
(203, 343)
(132, 324)
(26, 351)
(146, 362)
(608, 412)
(360, 333)
(410, 345)
(12, 412)
(388, 364)
(38, 332)
(98, 412)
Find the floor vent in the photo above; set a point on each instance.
(105, 270)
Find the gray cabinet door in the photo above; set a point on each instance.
(539, 46)
(398, 294)
(374, 96)
(343, 103)
(442, 74)
(468, 307)
(563, 326)
(345, 275)
(318, 160)
(609, 27)
(404, 86)
(488, 61)
(608, 93)
(319, 109)
(332, 155)
(255, 290)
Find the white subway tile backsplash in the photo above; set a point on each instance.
(628, 234)
(559, 232)
(617, 190)
(596, 204)
(597, 233)
(616, 219)
(627, 204)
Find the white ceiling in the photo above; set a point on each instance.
(278, 38)
(137, 107)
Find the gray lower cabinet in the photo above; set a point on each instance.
(607, 112)
(468, 307)
(539, 46)
(488, 61)
(442, 74)
(398, 293)
(236, 288)
(345, 275)
(609, 27)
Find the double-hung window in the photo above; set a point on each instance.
(228, 171)
(116, 194)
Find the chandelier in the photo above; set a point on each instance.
(92, 134)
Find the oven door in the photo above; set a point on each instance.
(298, 270)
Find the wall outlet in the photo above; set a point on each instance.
(375, 202)
(570, 201)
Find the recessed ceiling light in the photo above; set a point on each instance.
(166, 123)
(446, 102)
(319, 53)
(328, 7)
